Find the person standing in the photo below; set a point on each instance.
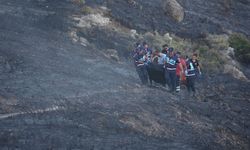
(190, 76)
(170, 69)
(140, 61)
(148, 52)
(180, 71)
(161, 57)
(165, 49)
(196, 65)
(141, 67)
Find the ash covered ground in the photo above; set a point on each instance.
(59, 94)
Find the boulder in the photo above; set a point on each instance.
(112, 54)
(173, 9)
(233, 70)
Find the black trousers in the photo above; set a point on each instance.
(191, 83)
(143, 74)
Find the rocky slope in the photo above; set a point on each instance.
(66, 83)
(189, 19)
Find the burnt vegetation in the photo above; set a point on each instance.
(68, 85)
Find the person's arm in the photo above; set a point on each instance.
(181, 67)
(139, 60)
(198, 67)
(182, 70)
(166, 59)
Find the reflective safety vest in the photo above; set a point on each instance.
(148, 57)
(172, 63)
(190, 69)
(142, 61)
(148, 52)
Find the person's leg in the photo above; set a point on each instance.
(178, 87)
(172, 80)
(167, 78)
(193, 84)
(145, 75)
(139, 70)
(188, 84)
(175, 78)
(197, 74)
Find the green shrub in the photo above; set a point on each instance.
(87, 10)
(203, 50)
(242, 47)
(79, 2)
(82, 1)
(211, 59)
(219, 42)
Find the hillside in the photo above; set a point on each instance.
(67, 80)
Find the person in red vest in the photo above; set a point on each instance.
(180, 71)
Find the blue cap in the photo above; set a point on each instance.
(171, 49)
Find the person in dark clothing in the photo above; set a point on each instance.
(165, 49)
(136, 50)
(141, 68)
(190, 76)
(143, 74)
(170, 68)
(196, 65)
(148, 52)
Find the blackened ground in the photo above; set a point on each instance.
(57, 94)
(201, 17)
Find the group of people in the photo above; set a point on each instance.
(178, 68)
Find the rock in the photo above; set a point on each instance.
(200, 17)
(229, 68)
(87, 21)
(105, 105)
(230, 52)
(74, 36)
(112, 54)
(168, 38)
(132, 2)
(173, 9)
(134, 33)
(83, 41)
(232, 66)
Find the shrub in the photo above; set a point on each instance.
(82, 1)
(242, 47)
(87, 10)
(203, 50)
(79, 2)
(219, 42)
